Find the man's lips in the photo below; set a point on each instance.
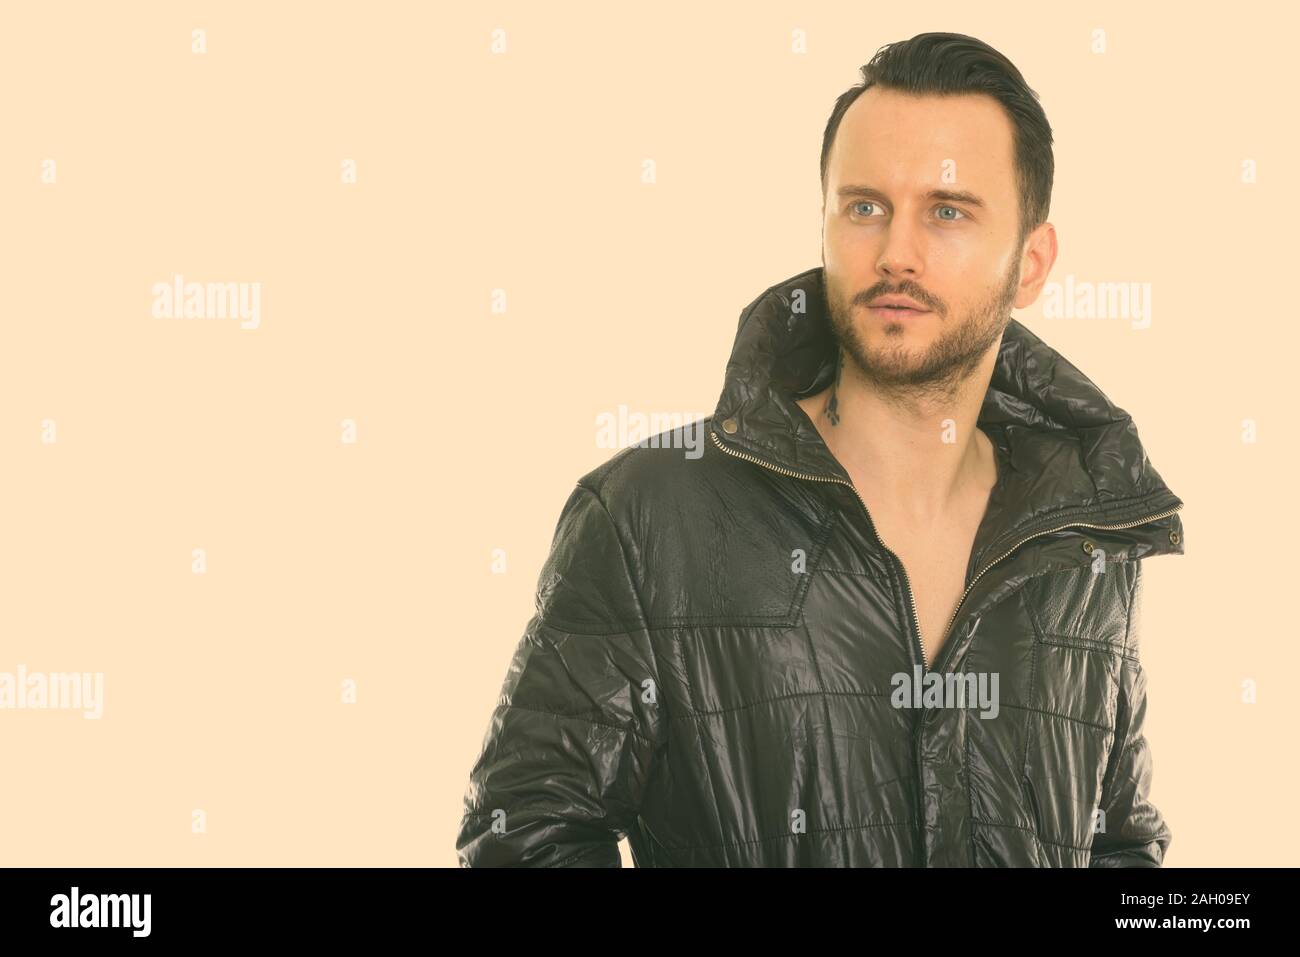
(899, 302)
(896, 312)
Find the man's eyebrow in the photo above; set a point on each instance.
(948, 195)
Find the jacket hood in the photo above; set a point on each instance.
(1066, 453)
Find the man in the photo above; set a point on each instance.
(890, 617)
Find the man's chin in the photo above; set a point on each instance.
(891, 366)
(891, 371)
(893, 360)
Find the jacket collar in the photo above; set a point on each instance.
(1066, 453)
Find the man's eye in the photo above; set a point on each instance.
(959, 213)
(856, 207)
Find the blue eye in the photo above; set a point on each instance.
(873, 209)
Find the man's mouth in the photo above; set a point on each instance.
(895, 305)
(896, 311)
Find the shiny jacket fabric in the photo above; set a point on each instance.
(710, 670)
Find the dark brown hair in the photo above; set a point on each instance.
(952, 63)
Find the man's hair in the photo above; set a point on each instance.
(952, 63)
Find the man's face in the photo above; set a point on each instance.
(957, 255)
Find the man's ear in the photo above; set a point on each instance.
(1036, 264)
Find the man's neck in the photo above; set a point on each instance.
(921, 452)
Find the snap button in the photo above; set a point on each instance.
(729, 426)
(1174, 538)
(1087, 546)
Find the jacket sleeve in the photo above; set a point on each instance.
(577, 728)
(1135, 833)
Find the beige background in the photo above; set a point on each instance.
(521, 171)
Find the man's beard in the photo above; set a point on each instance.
(946, 363)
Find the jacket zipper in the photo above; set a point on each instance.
(1047, 531)
(915, 627)
(916, 631)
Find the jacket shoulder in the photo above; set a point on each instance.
(617, 515)
(673, 466)
(689, 517)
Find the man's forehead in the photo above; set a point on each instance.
(964, 110)
(887, 133)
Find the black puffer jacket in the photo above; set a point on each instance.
(710, 671)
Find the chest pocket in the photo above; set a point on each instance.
(1085, 607)
(1079, 619)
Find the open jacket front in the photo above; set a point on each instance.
(711, 669)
